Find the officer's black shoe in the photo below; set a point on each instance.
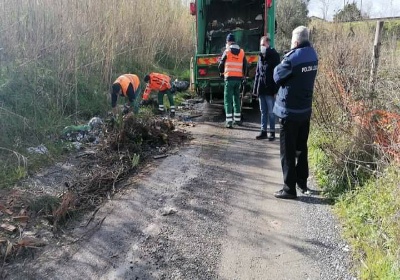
(271, 136)
(303, 189)
(284, 195)
(262, 135)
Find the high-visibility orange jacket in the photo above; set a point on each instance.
(159, 82)
(129, 84)
(234, 64)
(125, 80)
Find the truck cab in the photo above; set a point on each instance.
(248, 20)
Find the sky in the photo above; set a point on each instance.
(374, 8)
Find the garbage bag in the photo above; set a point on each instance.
(181, 85)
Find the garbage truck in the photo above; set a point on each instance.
(248, 20)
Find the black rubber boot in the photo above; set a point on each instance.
(262, 135)
(271, 136)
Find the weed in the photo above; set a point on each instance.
(44, 205)
(371, 219)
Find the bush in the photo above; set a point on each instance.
(351, 117)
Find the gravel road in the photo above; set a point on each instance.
(206, 212)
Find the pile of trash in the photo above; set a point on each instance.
(91, 132)
(123, 147)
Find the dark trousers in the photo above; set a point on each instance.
(294, 153)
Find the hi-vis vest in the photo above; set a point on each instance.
(234, 64)
(159, 82)
(125, 80)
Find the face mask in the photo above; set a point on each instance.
(227, 46)
(263, 49)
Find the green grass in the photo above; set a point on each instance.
(369, 207)
(328, 177)
(371, 217)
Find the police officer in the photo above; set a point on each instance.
(125, 85)
(296, 76)
(233, 65)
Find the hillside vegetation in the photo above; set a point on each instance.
(58, 59)
(354, 146)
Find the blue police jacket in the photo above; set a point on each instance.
(295, 76)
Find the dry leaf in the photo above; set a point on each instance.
(30, 242)
(8, 227)
(22, 219)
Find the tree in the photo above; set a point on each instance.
(324, 6)
(350, 12)
(289, 15)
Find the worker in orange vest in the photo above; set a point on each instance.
(125, 85)
(162, 84)
(233, 66)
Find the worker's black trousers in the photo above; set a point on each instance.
(294, 153)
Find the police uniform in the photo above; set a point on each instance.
(296, 77)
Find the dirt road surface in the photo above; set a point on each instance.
(206, 212)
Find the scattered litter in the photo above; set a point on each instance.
(95, 123)
(41, 150)
(87, 133)
(86, 153)
(220, 182)
(160, 156)
(76, 145)
(168, 211)
(346, 248)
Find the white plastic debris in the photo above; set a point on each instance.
(95, 123)
(76, 145)
(41, 150)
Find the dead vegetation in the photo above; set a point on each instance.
(358, 126)
(129, 141)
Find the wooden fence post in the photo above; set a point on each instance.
(375, 55)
